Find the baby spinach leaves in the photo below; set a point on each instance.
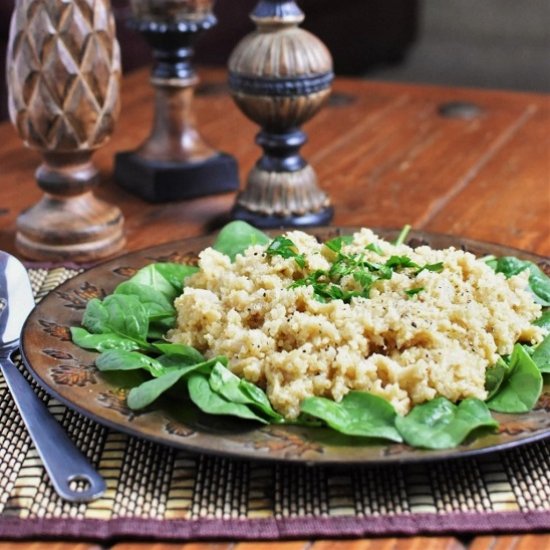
(140, 309)
(521, 386)
(358, 414)
(236, 237)
(102, 342)
(123, 316)
(439, 424)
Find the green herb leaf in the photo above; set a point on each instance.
(358, 414)
(118, 314)
(101, 342)
(544, 320)
(180, 350)
(208, 401)
(494, 376)
(117, 359)
(439, 424)
(539, 282)
(237, 390)
(400, 261)
(165, 278)
(522, 386)
(156, 303)
(148, 392)
(236, 237)
(337, 243)
(435, 268)
(541, 355)
(281, 246)
(403, 235)
(373, 247)
(414, 291)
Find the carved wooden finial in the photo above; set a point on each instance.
(63, 80)
(280, 76)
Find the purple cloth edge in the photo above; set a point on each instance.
(276, 529)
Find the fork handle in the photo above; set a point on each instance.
(63, 461)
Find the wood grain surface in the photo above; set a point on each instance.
(387, 157)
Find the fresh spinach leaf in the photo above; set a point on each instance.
(156, 303)
(521, 387)
(117, 359)
(541, 355)
(539, 282)
(238, 390)
(118, 314)
(176, 274)
(358, 414)
(166, 278)
(208, 401)
(508, 265)
(544, 320)
(148, 392)
(236, 237)
(101, 342)
(494, 376)
(188, 352)
(440, 424)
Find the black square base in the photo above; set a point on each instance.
(321, 217)
(168, 181)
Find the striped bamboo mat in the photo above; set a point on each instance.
(160, 492)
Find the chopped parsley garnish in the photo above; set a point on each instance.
(348, 269)
(281, 246)
(373, 247)
(414, 291)
(436, 268)
(403, 235)
(337, 243)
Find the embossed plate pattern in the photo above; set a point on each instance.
(68, 373)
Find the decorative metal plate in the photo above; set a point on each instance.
(68, 373)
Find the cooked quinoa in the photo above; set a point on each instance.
(406, 349)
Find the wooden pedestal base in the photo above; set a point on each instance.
(69, 223)
(159, 181)
(321, 217)
(79, 229)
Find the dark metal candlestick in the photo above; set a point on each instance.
(174, 162)
(280, 76)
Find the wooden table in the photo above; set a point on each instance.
(386, 156)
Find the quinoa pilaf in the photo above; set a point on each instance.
(415, 334)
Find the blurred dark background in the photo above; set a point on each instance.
(487, 43)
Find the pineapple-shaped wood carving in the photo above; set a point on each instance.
(63, 77)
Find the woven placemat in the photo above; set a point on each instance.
(159, 492)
